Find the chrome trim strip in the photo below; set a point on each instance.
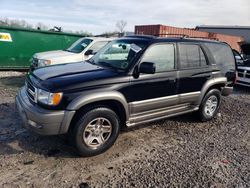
(216, 72)
(153, 100)
(190, 94)
(164, 98)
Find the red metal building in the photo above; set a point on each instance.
(168, 31)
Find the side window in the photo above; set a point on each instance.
(223, 55)
(191, 56)
(97, 46)
(163, 55)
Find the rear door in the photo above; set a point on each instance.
(193, 72)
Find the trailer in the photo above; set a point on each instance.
(17, 45)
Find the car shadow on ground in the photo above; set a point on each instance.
(15, 139)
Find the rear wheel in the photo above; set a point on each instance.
(96, 131)
(210, 105)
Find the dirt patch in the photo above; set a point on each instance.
(176, 152)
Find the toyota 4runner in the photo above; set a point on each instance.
(131, 81)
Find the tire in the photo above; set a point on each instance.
(208, 110)
(91, 134)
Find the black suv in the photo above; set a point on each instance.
(131, 81)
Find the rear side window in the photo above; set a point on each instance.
(222, 55)
(191, 56)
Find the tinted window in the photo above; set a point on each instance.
(223, 55)
(162, 55)
(191, 56)
(97, 46)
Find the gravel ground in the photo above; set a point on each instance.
(176, 152)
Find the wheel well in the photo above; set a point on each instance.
(116, 106)
(216, 86)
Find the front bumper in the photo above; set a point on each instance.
(243, 81)
(42, 121)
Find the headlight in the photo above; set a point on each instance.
(43, 62)
(48, 98)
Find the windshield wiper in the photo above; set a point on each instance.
(105, 64)
(91, 61)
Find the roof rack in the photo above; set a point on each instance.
(185, 36)
(166, 35)
(141, 36)
(171, 34)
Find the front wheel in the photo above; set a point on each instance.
(210, 105)
(96, 131)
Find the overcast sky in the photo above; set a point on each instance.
(98, 16)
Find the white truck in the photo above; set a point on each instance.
(243, 68)
(243, 77)
(82, 49)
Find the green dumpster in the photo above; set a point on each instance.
(17, 45)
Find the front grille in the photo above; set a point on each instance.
(240, 74)
(242, 82)
(240, 70)
(244, 73)
(31, 91)
(35, 62)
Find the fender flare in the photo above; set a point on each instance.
(210, 83)
(92, 97)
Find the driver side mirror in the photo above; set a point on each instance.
(147, 68)
(89, 52)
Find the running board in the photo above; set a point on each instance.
(160, 115)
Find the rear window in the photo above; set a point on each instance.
(222, 55)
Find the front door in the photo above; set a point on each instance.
(152, 92)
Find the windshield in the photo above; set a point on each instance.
(79, 45)
(118, 54)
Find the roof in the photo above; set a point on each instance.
(223, 27)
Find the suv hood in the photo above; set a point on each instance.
(73, 76)
(52, 54)
(63, 70)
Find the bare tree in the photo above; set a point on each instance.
(15, 23)
(41, 26)
(121, 24)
